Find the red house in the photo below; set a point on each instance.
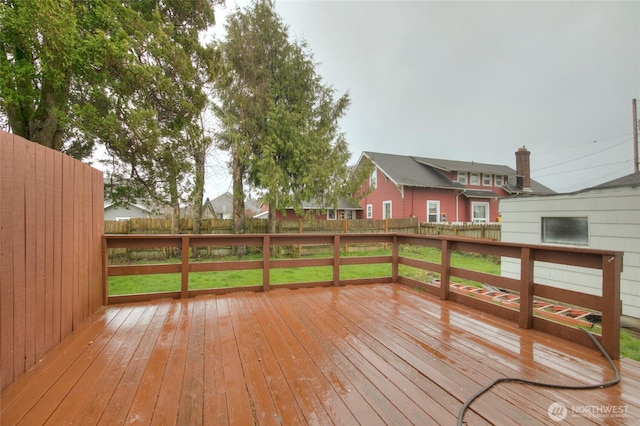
(435, 190)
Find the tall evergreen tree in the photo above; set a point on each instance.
(279, 120)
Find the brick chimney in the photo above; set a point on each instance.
(523, 169)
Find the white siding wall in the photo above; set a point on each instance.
(614, 224)
(115, 213)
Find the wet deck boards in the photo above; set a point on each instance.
(370, 354)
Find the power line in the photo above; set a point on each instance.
(584, 156)
(583, 168)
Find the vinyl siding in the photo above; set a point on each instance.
(614, 224)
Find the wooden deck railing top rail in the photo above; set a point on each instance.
(607, 261)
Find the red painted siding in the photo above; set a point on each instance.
(412, 202)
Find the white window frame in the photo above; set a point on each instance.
(384, 209)
(473, 211)
(486, 179)
(348, 214)
(498, 179)
(331, 214)
(437, 213)
(373, 179)
(474, 178)
(369, 208)
(462, 178)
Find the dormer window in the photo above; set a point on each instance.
(475, 178)
(462, 178)
(499, 180)
(486, 179)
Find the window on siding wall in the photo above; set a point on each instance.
(373, 180)
(498, 180)
(386, 209)
(462, 178)
(369, 211)
(486, 180)
(475, 178)
(331, 214)
(433, 211)
(565, 230)
(480, 212)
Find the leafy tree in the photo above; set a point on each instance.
(127, 74)
(279, 121)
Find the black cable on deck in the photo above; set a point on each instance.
(612, 382)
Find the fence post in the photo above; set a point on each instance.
(612, 305)
(445, 272)
(266, 252)
(336, 260)
(525, 317)
(184, 282)
(395, 250)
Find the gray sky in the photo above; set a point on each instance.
(474, 81)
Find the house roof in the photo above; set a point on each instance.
(632, 180)
(405, 170)
(425, 172)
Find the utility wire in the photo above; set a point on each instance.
(584, 168)
(584, 156)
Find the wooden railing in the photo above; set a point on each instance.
(607, 261)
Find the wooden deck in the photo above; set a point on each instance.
(367, 354)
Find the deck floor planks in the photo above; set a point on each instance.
(167, 404)
(47, 387)
(117, 406)
(191, 398)
(274, 365)
(315, 396)
(371, 354)
(335, 377)
(146, 395)
(387, 398)
(108, 365)
(442, 404)
(439, 372)
(215, 396)
(428, 337)
(240, 408)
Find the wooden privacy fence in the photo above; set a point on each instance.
(51, 216)
(258, 226)
(608, 262)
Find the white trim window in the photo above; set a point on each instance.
(386, 210)
(474, 179)
(486, 179)
(479, 212)
(331, 214)
(433, 211)
(462, 178)
(369, 211)
(373, 179)
(498, 179)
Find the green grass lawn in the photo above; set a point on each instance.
(630, 345)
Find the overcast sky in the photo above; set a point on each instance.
(474, 81)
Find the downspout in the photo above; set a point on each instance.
(457, 195)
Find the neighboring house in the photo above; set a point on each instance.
(435, 190)
(222, 206)
(126, 211)
(604, 217)
(345, 209)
